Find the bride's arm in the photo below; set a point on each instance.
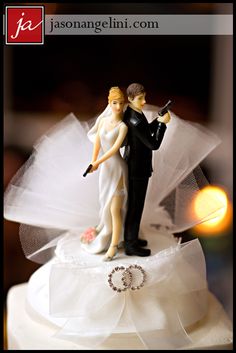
(117, 144)
(96, 146)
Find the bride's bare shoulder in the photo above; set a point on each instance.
(123, 126)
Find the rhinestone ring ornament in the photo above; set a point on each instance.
(133, 277)
(113, 286)
(137, 276)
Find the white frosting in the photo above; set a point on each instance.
(57, 289)
(27, 330)
(71, 294)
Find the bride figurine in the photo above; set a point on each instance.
(108, 135)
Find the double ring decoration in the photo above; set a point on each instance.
(132, 277)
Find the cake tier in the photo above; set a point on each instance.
(27, 330)
(170, 289)
(155, 298)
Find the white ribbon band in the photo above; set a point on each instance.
(157, 310)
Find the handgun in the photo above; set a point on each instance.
(165, 109)
(87, 170)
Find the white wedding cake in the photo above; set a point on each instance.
(171, 309)
(77, 301)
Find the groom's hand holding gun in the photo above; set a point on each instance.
(163, 114)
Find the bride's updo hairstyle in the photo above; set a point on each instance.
(115, 93)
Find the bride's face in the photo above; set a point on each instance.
(117, 106)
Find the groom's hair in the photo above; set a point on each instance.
(134, 90)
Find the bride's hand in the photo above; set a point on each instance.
(95, 166)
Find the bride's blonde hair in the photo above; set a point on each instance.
(115, 93)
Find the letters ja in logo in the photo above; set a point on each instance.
(26, 25)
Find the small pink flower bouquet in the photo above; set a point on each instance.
(88, 235)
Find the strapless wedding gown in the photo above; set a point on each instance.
(111, 171)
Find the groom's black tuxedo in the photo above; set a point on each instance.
(142, 138)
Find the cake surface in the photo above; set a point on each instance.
(28, 330)
(69, 302)
(73, 292)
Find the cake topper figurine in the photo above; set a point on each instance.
(108, 135)
(120, 214)
(58, 208)
(143, 137)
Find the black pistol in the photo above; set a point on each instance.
(87, 170)
(165, 109)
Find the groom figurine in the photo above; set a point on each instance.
(143, 137)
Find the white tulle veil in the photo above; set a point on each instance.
(50, 197)
(92, 132)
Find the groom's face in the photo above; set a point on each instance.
(138, 101)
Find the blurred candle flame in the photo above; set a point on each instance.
(218, 221)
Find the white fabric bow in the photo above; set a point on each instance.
(157, 311)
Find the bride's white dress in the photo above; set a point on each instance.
(111, 171)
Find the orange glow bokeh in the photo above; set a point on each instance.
(220, 220)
